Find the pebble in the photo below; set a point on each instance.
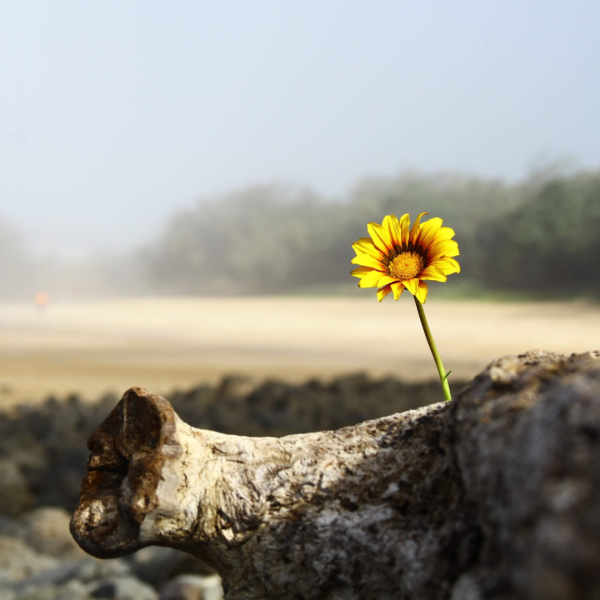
(46, 530)
(193, 587)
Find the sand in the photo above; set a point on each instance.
(161, 344)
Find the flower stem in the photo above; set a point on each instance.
(434, 350)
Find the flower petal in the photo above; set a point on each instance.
(404, 230)
(368, 261)
(414, 232)
(422, 292)
(381, 237)
(383, 292)
(386, 280)
(444, 233)
(446, 264)
(361, 272)
(366, 246)
(443, 248)
(391, 224)
(434, 273)
(370, 280)
(428, 231)
(453, 267)
(397, 288)
(412, 285)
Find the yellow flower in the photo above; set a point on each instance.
(399, 257)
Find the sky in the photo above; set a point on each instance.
(114, 114)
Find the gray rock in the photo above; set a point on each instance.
(156, 565)
(74, 590)
(6, 591)
(80, 577)
(193, 587)
(46, 530)
(19, 561)
(122, 588)
(466, 589)
(84, 580)
(88, 571)
(7, 594)
(153, 564)
(15, 496)
(56, 576)
(93, 570)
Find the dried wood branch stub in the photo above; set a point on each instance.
(463, 500)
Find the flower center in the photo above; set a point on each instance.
(406, 265)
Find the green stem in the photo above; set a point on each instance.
(434, 351)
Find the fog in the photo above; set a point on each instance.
(117, 118)
(515, 238)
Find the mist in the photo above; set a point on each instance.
(277, 238)
(114, 116)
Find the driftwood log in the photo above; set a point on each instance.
(493, 495)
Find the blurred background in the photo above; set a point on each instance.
(180, 185)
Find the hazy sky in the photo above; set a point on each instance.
(113, 113)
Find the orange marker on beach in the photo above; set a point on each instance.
(41, 300)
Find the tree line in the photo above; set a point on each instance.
(538, 236)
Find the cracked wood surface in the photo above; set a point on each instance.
(482, 497)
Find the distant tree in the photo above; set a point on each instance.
(540, 234)
(247, 241)
(551, 242)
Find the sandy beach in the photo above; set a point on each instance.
(164, 343)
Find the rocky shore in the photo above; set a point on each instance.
(43, 452)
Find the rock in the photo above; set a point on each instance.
(83, 580)
(156, 565)
(19, 561)
(4, 523)
(74, 590)
(56, 576)
(193, 587)
(46, 530)
(47, 443)
(122, 588)
(5, 580)
(153, 564)
(6, 593)
(15, 495)
(88, 570)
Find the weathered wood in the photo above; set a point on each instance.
(472, 499)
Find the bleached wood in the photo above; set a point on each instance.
(425, 504)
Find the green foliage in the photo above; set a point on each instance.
(536, 236)
(550, 243)
(252, 241)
